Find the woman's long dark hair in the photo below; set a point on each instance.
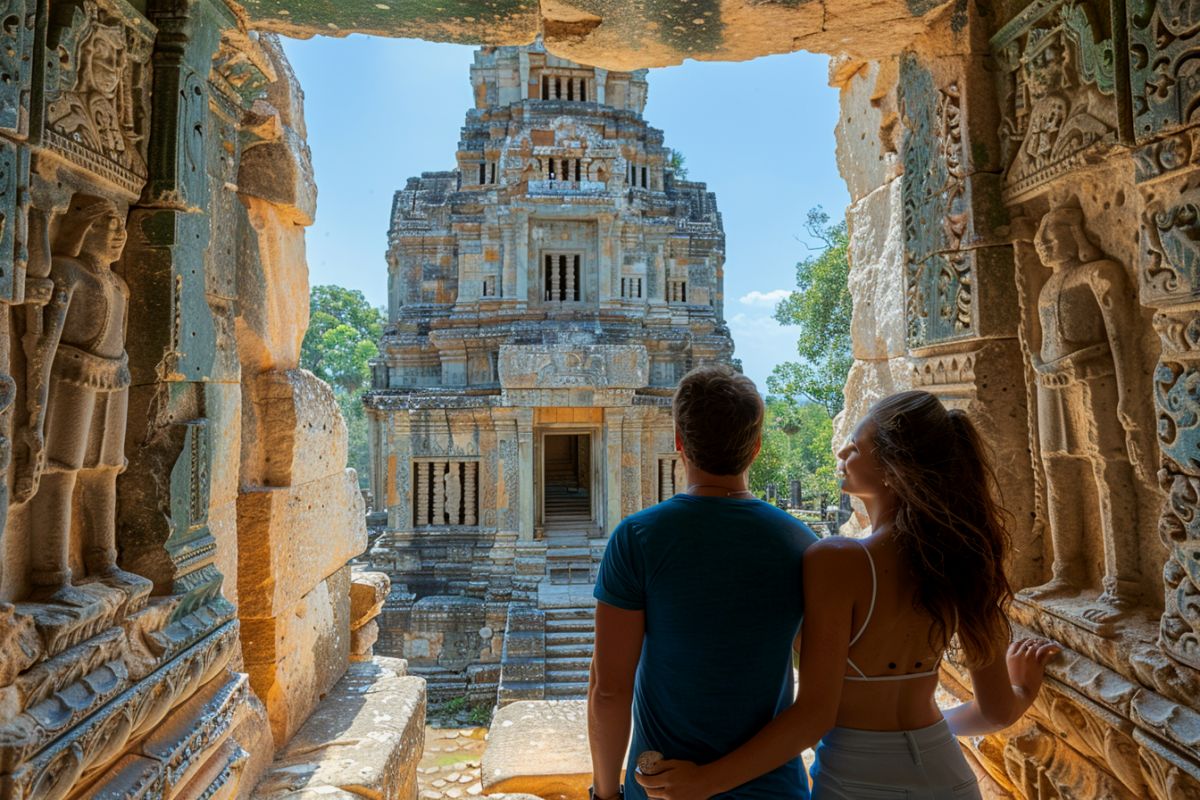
(949, 526)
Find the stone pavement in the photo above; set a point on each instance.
(449, 768)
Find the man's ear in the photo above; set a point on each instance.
(757, 447)
(678, 442)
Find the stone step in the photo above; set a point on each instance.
(564, 691)
(368, 732)
(558, 665)
(571, 649)
(560, 638)
(586, 613)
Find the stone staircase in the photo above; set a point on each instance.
(570, 636)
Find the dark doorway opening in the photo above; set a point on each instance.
(567, 480)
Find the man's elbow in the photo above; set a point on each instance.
(606, 691)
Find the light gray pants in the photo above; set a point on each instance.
(925, 764)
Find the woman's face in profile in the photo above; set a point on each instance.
(856, 463)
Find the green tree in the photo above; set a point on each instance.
(677, 163)
(338, 347)
(820, 307)
(796, 446)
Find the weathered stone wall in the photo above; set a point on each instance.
(1022, 245)
(175, 591)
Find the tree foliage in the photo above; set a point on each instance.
(820, 308)
(338, 347)
(677, 163)
(342, 331)
(796, 446)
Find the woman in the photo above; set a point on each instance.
(880, 613)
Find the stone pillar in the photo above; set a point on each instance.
(525, 484)
(422, 468)
(469, 492)
(614, 424)
(520, 260)
(439, 492)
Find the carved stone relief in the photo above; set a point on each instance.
(1177, 400)
(1087, 398)
(96, 104)
(77, 388)
(1164, 41)
(1058, 93)
(938, 274)
(1171, 249)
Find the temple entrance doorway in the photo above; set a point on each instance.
(567, 481)
(567, 504)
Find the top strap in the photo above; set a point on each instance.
(874, 591)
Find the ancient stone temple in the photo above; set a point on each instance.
(178, 611)
(545, 296)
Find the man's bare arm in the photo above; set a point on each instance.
(610, 692)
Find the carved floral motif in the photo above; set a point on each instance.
(1171, 250)
(1164, 43)
(938, 276)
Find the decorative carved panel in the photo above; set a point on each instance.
(1171, 250)
(96, 90)
(16, 64)
(1164, 73)
(938, 275)
(1058, 92)
(1177, 401)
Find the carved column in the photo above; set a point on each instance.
(553, 263)
(470, 502)
(454, 492)
(423, 468)
(439, 492)
(568, 267)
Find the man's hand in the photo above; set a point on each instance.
(675, 780)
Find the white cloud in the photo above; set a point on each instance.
(757, 298)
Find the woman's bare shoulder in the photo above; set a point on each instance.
(833, 552)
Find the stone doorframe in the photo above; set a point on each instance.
(597, 491)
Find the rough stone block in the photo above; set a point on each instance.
(272, 286)
(281, 173)
(368, 592)
(293, 431)
(539, 748)
(865, 160)
(876, 250)
(364, 740)
(291, 539)
(295, 658)
(362, 640)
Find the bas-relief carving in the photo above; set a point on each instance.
(1089, 436)
(77, 392)
(591, 366)
(938, 276)
(96, 104)
(1164, 42)
(1058, 92)
(1177, 401)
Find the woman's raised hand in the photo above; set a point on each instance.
(674, 780)
(1027, 662)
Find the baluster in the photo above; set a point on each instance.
(469, 501)
(422, 492)
(439, 493)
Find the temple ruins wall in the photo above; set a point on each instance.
(1022, 244)
(174, 591)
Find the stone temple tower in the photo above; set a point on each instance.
(545, 296)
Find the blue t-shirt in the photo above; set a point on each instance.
(720, 581)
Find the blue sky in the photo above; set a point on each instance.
(760, 133)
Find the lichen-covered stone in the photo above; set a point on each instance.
(363, 740)
(539, 748)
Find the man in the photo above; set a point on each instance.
(700, 599)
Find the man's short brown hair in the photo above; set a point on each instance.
(719, 415)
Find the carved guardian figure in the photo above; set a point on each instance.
(78, 385)
(1086, 389)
